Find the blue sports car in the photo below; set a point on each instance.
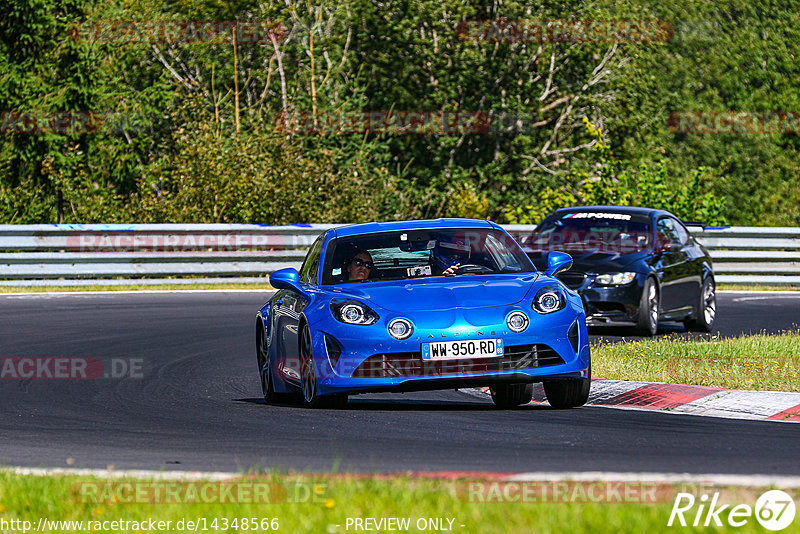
(422, 305)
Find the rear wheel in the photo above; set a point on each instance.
(706, 309)
(648, 308)
(308, 375)
(511, 395)
(568, 393)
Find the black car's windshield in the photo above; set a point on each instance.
(605, 232)
(410, 254)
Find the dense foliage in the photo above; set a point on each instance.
(235, 130)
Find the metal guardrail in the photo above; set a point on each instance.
(218, 253)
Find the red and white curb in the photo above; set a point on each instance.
(690, 400)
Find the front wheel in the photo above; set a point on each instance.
(568, 393)
(706, 309)
(265, 372)
(648, 309)
(308, 374)
(511, 395)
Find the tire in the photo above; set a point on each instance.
(568, 393)
(648, 309)
(706, 308)
(265, 372)
(308, 377)
(510, 395)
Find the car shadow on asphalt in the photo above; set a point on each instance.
(400, 404)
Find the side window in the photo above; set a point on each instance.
(308, 272)
(665, 232)
(502, 257)
(680, 231)
(671, 231)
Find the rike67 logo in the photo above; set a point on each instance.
(774, 510)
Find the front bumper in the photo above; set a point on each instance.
(367, 359)
(611, 305)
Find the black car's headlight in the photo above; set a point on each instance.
(353, 312)
(549, 299)
(615, 279)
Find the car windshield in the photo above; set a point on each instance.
(407, 254)
(606, 232)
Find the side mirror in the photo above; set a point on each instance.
(557, 262)
(666, 245)
(287, 278)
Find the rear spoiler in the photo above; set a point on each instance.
(694, 225)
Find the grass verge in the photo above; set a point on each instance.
(332, 504)
(757, 287)
(757, 362)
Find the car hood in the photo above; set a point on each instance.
(591, 261)
(442, 293)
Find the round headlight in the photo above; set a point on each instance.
(548, 302)
(549, 299)
(400, 329)
(517, 321)
(352, 313)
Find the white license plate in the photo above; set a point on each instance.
(467, 348)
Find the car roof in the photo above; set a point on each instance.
(374, 227)
(630, 210)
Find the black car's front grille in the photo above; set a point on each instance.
(572, 280)
(401, 364)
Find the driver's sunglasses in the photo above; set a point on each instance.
(361, 263)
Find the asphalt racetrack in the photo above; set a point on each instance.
(195, 403)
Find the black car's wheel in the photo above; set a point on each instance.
(648, 308)
(568, 393)
(308, 376)
(706, 308)
(511, 395)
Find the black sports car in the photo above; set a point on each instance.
(631, 266)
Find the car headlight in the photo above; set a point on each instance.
(353, 312)
(615, 279)
(549, 299)
(400, 328)
(517, 321)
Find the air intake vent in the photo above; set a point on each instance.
(412, 364)
(334, 350)
(572, 280)
(573, 335)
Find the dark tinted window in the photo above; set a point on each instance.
(409, 254)
(606, 232)
(671, 231)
